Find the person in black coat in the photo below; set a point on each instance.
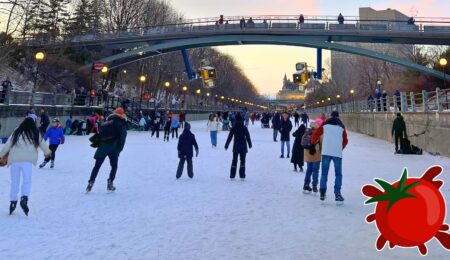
(241, 140)
(399, 131)
(297, 149)
(285, 130)
(167, 126)
(45, 122)
(186, 143)
(275, 125)
(113, 134)
(156, 124)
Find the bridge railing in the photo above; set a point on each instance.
(438, 101)
(264, 22)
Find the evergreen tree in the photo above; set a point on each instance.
(54, 17)
(79, 23)
(95, 22)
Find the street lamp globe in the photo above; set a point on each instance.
(379, 82)
(125, 71)
(352, 91)
(338, 96)
(198, 91)
(104, 69)
(207, 94)
(142, 78)
(167, 84)
(329, 99)
(185, 88)
(39, 56)
(443, 62)
(222, 97)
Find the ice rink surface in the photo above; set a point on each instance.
(154, 216)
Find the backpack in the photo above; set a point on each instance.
(109, 131)
(306, 138)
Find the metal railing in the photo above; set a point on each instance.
(263, 22)
(435, 101)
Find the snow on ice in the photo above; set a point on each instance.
(154, 216)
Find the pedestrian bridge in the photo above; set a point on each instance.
(321, 32)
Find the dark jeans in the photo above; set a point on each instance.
(53, 148)
(312, 170)
(166, 134)
(275, 134)
(174, 132)
(190, 167)
(113, 160)
(155, 129)
(326, 161)
(234, 165)
(398, 141)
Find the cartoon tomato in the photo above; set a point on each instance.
(410, 212)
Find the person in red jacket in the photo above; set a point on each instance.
(333, 143)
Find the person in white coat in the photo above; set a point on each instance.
(21, 151)
(213, 127)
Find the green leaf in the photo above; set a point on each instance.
(410, 186)
(402, 182)
(386, 186)
(379, 198)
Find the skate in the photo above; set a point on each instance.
(52, 164)
(322, 196)
(242, 179)
(110, 187)
(339, 200)
(282, 156)
(315, 189)
(89, 187)
(288, 156)
(43, 164)
(301, 169)
(12, 207)
(24, 204)
(307, 189)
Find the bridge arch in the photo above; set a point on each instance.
(222, 40)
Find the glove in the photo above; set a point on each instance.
(196, 153)
(312, 150)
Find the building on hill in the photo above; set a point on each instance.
(290, 91)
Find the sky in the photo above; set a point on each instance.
(266, 65)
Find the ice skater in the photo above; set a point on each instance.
(113, 134)
(186, 144)
(334, 142)
(56, 135)
(285, 130)
(297, 148)
(167, 127)
(241, 139)
(213, 127)
(312, 157)
(21, 153)
(174, 127)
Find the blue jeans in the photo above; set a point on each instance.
(313, 169)
(288, 147)
(213, 137)
(326, 161)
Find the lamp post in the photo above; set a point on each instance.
(352, 93)
(198, 92)
(185, 88)
(39, 56)
(104, 71)
(142, 79)
(167, 87)
(338, 98)
(443, 63)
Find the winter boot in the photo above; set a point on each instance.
(301, 169)
(322, 195)
(282, 156)
(52, 164)
(12, 207)
(110, 186)
(43, 164)
(288, 156)
(339, 200)
(307, 189)
(89, 187)
(315, 188)
(24, 204)
(295, 167)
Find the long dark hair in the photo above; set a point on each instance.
(29, 132)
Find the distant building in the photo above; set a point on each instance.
(290, 91)
(346, 68)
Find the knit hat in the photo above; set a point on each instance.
(187, 126)
(55, 120)
(335, 114)
(319, 122)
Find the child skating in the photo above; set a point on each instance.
(56, 135)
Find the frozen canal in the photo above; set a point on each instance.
(154, 216)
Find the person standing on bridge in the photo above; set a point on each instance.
(301, 19)
(242, 23)
(276, 125)
(285, 130)
(241, 139)
(399, 131)
(341, 18)
(113, 134)
(334, 142)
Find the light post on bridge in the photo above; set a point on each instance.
(352, 93)
(39, 56)
(104, 71)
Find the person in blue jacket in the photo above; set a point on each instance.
(69, 122)
(174, 127)
(186, 145)
(56, 135)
